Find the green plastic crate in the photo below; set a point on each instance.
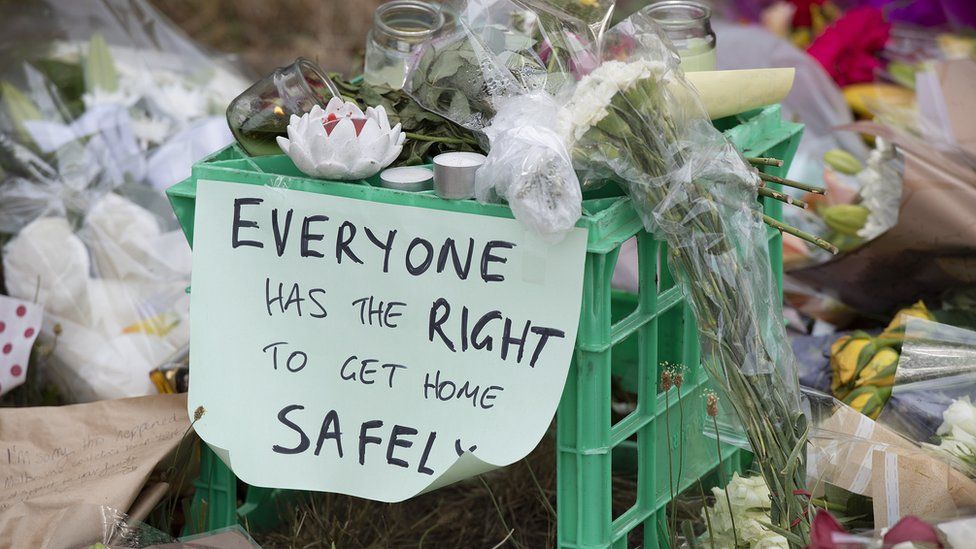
(620, 335)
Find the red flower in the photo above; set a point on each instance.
(827, 533)
(822, 531)
(801, 17)
(847, 48)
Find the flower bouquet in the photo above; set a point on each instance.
(105, 106)
(611, 105)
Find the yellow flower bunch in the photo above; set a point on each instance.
(863, 366)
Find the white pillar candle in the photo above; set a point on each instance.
(407, 178)
(454, 174)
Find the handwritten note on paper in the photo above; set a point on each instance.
(370, 349)
(58, 464)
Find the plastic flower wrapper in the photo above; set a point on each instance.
(102, 105)
(933, 398)
(504, 71)
(635, 120)
(862, 468)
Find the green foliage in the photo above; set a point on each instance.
(428, 134)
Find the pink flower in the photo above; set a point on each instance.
(847, 48)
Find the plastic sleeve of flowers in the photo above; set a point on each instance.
(503, 70)
(103, 104)
(626, 113)
(97, 95)
(933, 396)
(637, 116)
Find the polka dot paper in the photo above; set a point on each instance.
(20, 322)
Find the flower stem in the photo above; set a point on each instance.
(721, 470)
(681, 456)
(765, 161)
(667, 426)
(800, 234)
(790, 183)
(436, 139)
(782, 197)
(708, 517)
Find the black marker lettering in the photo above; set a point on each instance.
(544, 335)
(398, 431)
(434, 323)
(449, 246)
(331, 420)
(488, 257)
(309, 236)
(387, 247)
(365, 439)
(239, 223)
(422, 468)
(303, 443)
(342, 243)
(281, 239)
(416, 270)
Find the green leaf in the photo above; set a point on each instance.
(100, 70)
(20, 109)
(446, 65)
(460, 107)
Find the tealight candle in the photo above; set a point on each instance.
(407, 178)
(454, 174)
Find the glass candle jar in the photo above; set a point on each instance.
(400, 27)
(260, 114)
(687, 24)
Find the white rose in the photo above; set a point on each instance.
(749, 492)
(960, 414)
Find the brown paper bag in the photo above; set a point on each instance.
(62, 464)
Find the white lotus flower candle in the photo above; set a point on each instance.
(342, 142)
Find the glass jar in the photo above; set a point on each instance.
(400, 27)
(687, 24)
(261, 113)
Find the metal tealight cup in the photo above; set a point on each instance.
(454, 174)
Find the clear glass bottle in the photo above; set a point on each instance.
(400, 27)
(260, 114)
(688, 24)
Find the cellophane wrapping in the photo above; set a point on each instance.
(933, 396)
(548, 80)
(103, 105)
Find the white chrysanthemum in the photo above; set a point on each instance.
(591, 98)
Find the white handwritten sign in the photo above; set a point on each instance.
(369, 349)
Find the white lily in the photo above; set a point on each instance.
(342, 142)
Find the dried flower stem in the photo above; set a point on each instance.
(667, 427)
(782, 197)
(708, 516)
(790, 183)
(800, 234)
(725, 480)
(765, 161)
